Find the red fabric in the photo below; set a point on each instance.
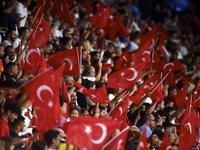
(100, 5)
(87, 4)
(179, 99)
(155, 59)
(143, 141)
(42, 65)
(172, 81)
(4, 128)
(125, 78)
(70, 2)
(32, 58)
(188, 132)
(61, 9)
(195, 20)
(123, 31)
(90, 132)
(70, 57)
(43, 92)
(98, 95)
(118, 142)
(105, 67)
(42, 32)
(124, 60)
(100, 19)
(21, 64)
(166, 143)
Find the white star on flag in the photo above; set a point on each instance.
(41, 29)
(143, 59)
(50, 104)
(93, 96)
(122, 74)
(88, 129)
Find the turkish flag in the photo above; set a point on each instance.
(136, 98)
(143, 141)
(111, 29)
(41, 7)
(22, 62)
(42, 32)
(100, 18)
(171, 66)
(124, 60)
(90, 132)
(194, 95)
(70, 2)
(87, 4)
(43, 92)
(118, 142)
(123, 31)
(61, 9)
(172, 81)
(98, 95)
(197, 101)
(160, 46)
(105, 67)
(155, 59)
(32, 58)
(100, 5)
(179, 99)
(71, 58)
(166, 143)
(42, 65)
(125, 78)
(65, 92)
(143, 54)
(120, 108)
(187, 136)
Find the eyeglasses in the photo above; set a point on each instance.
(12, 52)
(153, 120)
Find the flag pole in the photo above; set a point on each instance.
(190, 103)
(61, 86)
(38, 25)
(161, 81)
(36, 14)
(80, 63)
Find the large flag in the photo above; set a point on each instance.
(61, 9)
(179, 99)
(188, 132)
(90, 132)
(87, 4)
(100, 19)
(118, 142)
(124, 60)
(42, 65)
(125, 78)
(41, 33)
(71, 58)
(166, 143)
(32, 58)
(98, 95)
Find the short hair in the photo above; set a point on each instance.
(94, 53)
(9, 31)
(65, 32)
(169, 109)
(65, 40)
(78, 44)
(168, 101)
(50, 135)
(17, 121)
(62, 100)
(10, 66)
(133, 145)
(22, 31)
(90, 39)
(159, 133)
(89, 84)
(159, 127)
(87, 70)
(156, 115)
(107, 54)
(39, 145)
(162, 113)
(7, 47)
(74, 108)
(111, 44)
(146, 117)
(48, 44)
(171, 88)
(8, 142)
(101, 108)
(13, 106)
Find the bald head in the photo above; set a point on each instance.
(153, 141)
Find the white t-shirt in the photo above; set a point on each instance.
(20, 9)
(6, 43)
(58, 33)
(16, 43)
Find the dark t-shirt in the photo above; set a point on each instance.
(14, 134)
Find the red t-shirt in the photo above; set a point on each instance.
(4, 128)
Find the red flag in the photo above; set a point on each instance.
(41, 7)
(124, 60)
(120, 108)
(22, 62)
(118, 142)
(195, 20)
(98, 95)
(188, 132)
(172, 66)
(42, 65)
(125, 78)
(90, 132)
(41, 33)
(67, 97)
(172, 81)
(100, 19)
(61, 9)
(166, 143)
(43, 92)
(143, 141)
(155, 59)
(111, 29)
(87, 4)
(181, 95)
(70, 57)
(100, 5)
(194, 95)
(32, 58)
